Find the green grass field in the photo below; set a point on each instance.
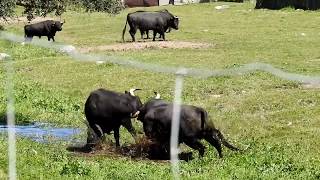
(275, 120)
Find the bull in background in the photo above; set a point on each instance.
(156, 116)
(107, 110)
(45, 28)
(158, 21)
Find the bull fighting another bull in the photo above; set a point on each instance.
(106, 111)
(158, 21)
(45, 28)
(156, 116)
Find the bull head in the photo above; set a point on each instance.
(157, 95)
(131, 91)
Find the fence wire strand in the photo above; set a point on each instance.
(202, 73)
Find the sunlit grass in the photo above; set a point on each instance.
(275, 120)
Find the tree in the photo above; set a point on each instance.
(32, 7)
(7, 8)
(44, 7)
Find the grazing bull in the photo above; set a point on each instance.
(106, 111)
(156, 116)
(45, 28)
(158, 21)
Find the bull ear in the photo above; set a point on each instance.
(126, 92)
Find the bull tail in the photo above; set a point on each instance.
(204, 118)
(25, 31)
(124, 29)
(225, 142)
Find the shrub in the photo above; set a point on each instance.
(109, 6)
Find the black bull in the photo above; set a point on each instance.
(106, 111)
(156, 116)
(45, 28)
(158, 21)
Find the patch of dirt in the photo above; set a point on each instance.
(146, 45)
(311, 86)
(144, 149)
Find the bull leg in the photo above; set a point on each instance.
(97, 129)
(162, 34)
(28, 38)
(195, 144)
(219, 135)
(154, 35)
(117, 136)
(132, 32)
(147, 32)
(128, 125)
(95, 138)
(141, 32)
(215, 141)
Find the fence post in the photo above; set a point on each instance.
(10, 116)
(175, 125)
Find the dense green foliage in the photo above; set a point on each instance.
(109, 6)
(57, 7)
(276, 121)
(6, 8)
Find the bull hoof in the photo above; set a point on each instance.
(186, 156)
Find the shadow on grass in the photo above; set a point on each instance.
(20, 119)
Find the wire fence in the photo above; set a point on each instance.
(180, 73)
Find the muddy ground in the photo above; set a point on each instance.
(144, 149)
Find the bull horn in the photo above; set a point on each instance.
(135, 114)
(176, 17)
(132, 91)
(157, 95)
